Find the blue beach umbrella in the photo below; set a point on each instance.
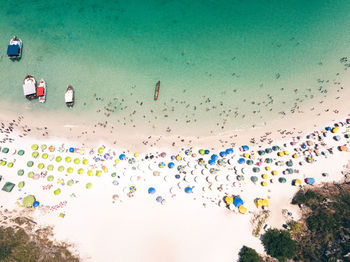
(214, 157)
(229, 151)
(241, 161)
(122, 156)
(206, 152)
(151, 190)
(188, 152)
(245, 148)
(180, 168)
(36, 204)
(177, 176)
(223, 154)
(159, 199)
(171, 165)
(106, 156)
(71, 149)
(131, 161)
(161, 165)
(211, 162)
(237, 201)
(188, 190)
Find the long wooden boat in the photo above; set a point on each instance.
(41, 91)
(157, 91)
(69, 96)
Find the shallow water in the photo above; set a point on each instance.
(218, 61)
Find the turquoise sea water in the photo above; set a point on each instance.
(221, 64)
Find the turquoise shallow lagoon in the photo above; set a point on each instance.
(222, 64)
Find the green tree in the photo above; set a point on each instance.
(278, 244)
(247, 254)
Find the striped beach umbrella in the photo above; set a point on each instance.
(201, 162)
(240, 177)
(131, 160)
(180, 168)
(161, 165)
(220, 162)
(213, 170)
(188, 152)
(132, 189)
(51, 148)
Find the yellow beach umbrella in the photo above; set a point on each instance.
(242, 209)
(90, 173)
(45, 155)
(41, 166)
(136, 154)
(267, 168)
(100, 150)
(60, 168)
(264, 183)
(70, 170)
(98, 173)
(286, 152)
(274, 172)
(30, 174)
(3, 163)
(35, 154)
(264, 176)
(295, 155)
(35, 147)
(80, 171)
(10, 164)
(50, 167)
(280, 154)
(76, 161)
(85, 161)
(68, 159)
(246, 155)
(178, 157)
(58, 159)
(229, 200)
(57, 192)
(297, 182)
(117, 160)
(88, 185)
(105, 169)
(335, 129)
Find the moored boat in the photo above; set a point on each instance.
(29, 87)
(41, 91)
(14, 49)
(157, 91)
(69, 96)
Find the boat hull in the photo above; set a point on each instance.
(42, 98)
(156, 93)
(13, 42)
(69, 97)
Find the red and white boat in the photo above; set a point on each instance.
(41, 91)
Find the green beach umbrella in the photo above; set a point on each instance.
(10, 164)
(88, 185)
(5, 150)
(90, 173)
(21, 184)
(282, 180)
(43, 147)
(50, 178)
(28, 201)
(98, 173)
(76, 161)
(70, 170)
(268, 160)
(20, 172)
(100, 150)
(261, 152)
(50, 167)
(275, 148)
(60, 168)
(289, 163)
(80, 171)
(57, 192)
(68, 159)
(30, 163)
(114, 174)
(35, 147)
(268, 150)
(41, 166)
(45, 155)
(201, 151)
(3, 163)
(58, 159)
(35, 154)
(250, 162)
(70, 182)
(21, 152)
(253, 178)
(85, 161)
(30, 174)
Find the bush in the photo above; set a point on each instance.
(247, 254)
(278, 244)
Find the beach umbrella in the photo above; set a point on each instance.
(58, 159)
(21, 184)
(34, 147)
(70, 182)
(213, 170)
(85, 162)
(151, 190)
(309, 159)
(136, 154)
(20, 172)
(177, 176)
(220, 162)
(69, 170)
(51, 148)
(35, 154)
(335, 129)
(188, 152)
(188, 190)
(244, 148)
(71, 149)
(268, 160)
(240, 177)
(268, 150)
(21, 152)
(60, 168)
(3, 163)
(254, 178)
(28, 201)
(289, 163)
(45, 155)
(264, 183)
(261, 152)
(41, 166)
(310, 181)
(214, 157)
(201, 151)
(114, 174)
(229, 151)
(50, 167)
(98, 173)
(161, 165)
(223, 154)
(50, 178)
(211, 162)
(10, 164)
(30, 174)
(237, 201)
(256, 169)
(159, 199)
(178, 157)
(180, 168)
(201, 162)
(282, 180)
(122, 156)
(295, 155)
(80, 171)
(171, 165)
(76, 161)
(267, 168)
(68, 159)
(106, 156)
(229, 200)
(88, 186)
(347, 135)
(286, 152)
(264, 176)
(43, 147)
(131, 161)
(36, 204)
(57, 192)
(206, 152)
(336, 138)
(296, 182)
(163, 154)
(274, 172)
(30, 163)
(275, 148)
(132, 189)
(242, 209)
(100, 150)
(342, 148)
(280, 153)
(115, 182)
(250, 162)
(246, 155)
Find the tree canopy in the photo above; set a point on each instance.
(247, 254)
(279, 244)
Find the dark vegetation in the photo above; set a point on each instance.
(19, 243)
(326, 217)
(247, 254)
(278, 244)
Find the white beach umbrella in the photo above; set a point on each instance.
(219, 178)
(210, 179)
(189, 178)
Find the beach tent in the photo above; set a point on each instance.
(8, 187)
(237, 201)
(310, 181)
